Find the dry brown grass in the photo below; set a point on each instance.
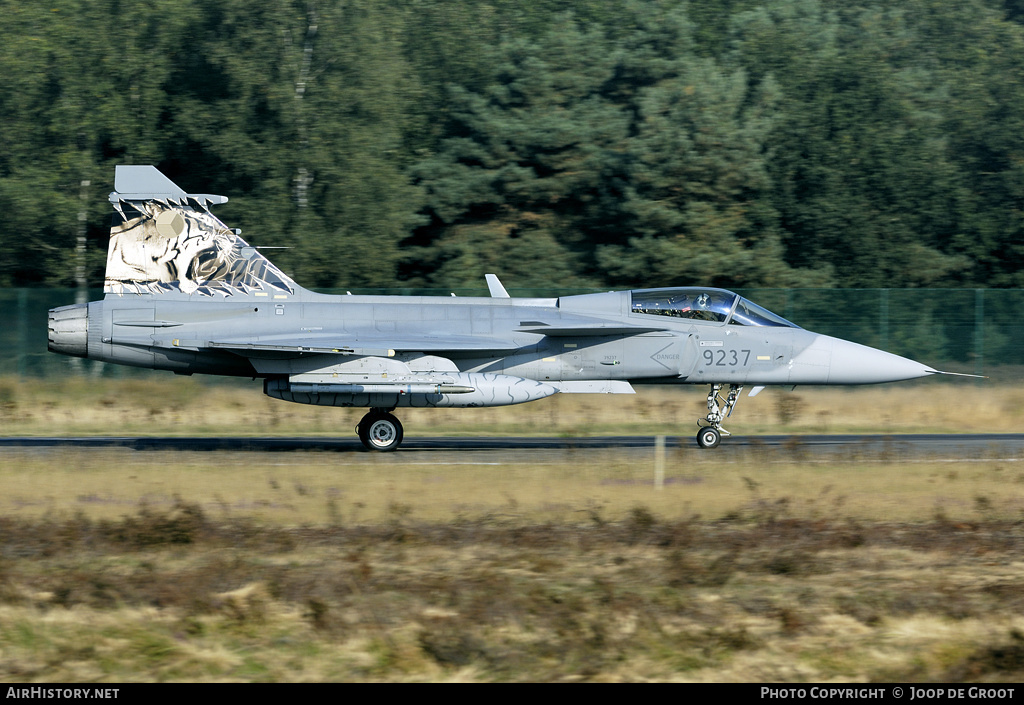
(123, 566)
(174, 595)
(295, 488)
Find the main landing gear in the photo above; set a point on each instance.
(379, 430)
(710, 435)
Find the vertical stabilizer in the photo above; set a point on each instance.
(163, 241)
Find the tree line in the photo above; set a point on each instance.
(745, 143)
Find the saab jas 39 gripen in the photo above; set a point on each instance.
(185, 293)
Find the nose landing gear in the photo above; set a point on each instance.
(711, 430)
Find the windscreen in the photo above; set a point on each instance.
(750, 314)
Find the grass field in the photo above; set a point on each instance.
(758, 565)
(126, 566)
(317, 488)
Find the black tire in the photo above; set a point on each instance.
(709, 437)
(381, 432)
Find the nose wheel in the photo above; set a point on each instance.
(711, 431)
(380, 431)
(709, 438)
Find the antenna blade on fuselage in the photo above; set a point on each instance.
(495, 287)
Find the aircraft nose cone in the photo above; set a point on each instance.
(853, 363)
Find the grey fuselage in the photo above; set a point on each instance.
(178, 333)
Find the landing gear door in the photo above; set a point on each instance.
(689, 356)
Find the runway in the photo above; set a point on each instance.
(938, 446)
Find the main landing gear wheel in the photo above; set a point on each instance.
(380, 431)
(709, 438)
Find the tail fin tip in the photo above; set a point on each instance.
(138, 178)
(141, 182)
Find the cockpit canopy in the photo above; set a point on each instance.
(704, 304)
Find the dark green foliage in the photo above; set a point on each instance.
(879, 165)
(762, 144)
(622, 153)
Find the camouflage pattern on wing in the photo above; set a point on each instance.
(170, 245)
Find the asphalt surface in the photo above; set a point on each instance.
(945, 446)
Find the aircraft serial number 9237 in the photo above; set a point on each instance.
(185, 293)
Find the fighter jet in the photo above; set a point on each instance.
(183, 292)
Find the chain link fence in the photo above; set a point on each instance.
(966, 330)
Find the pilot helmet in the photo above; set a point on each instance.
(703, 301)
